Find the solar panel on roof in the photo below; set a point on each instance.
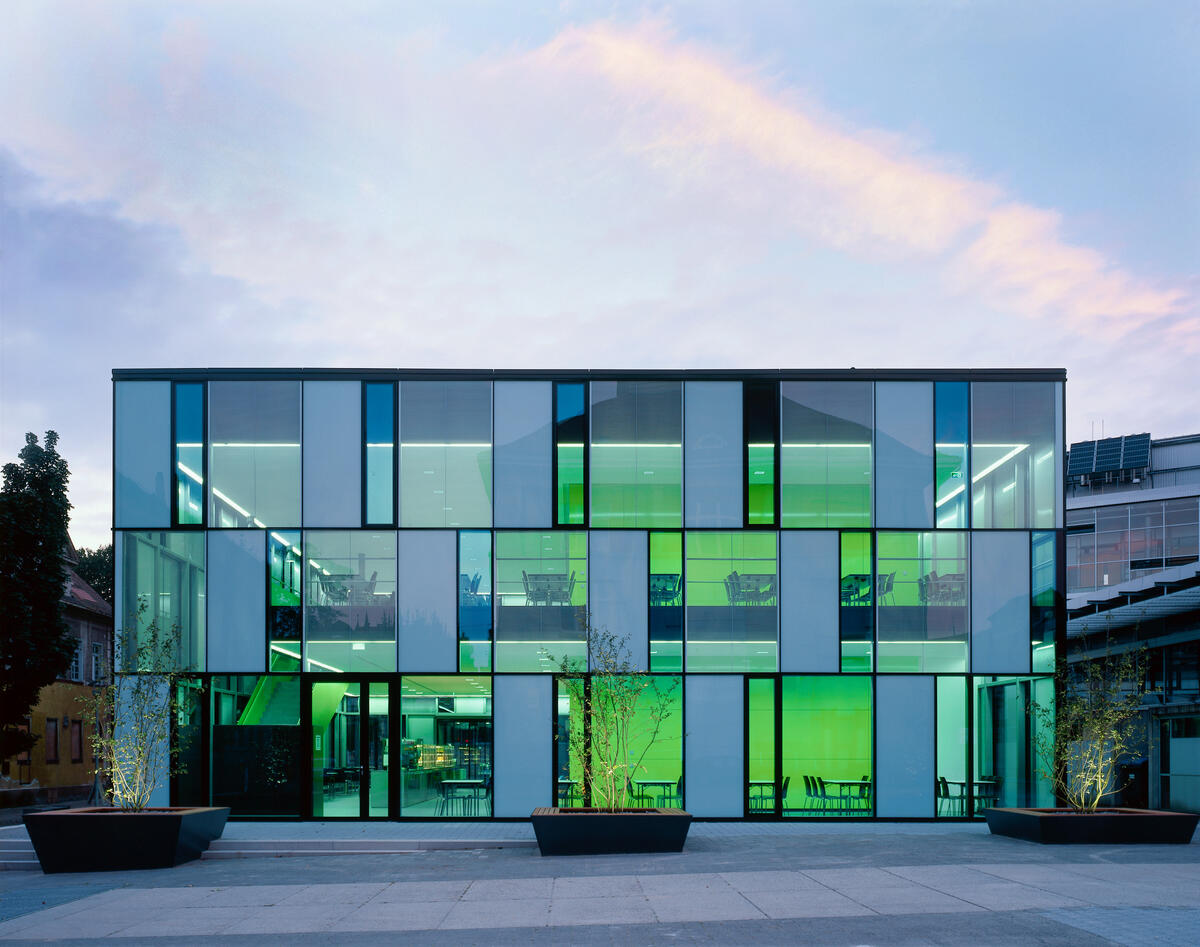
(1081, 458)
(1108, 454)
(1136, 451)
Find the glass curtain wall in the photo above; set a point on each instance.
(189, 454)
(163, 586)
(257, 744)
(924, 613)
(1006, 755)
(446, 746)
(285, 584)
(570, 454)
(475, 601)
(856, 614)
(446, 454)
(350, 600)
(336, 723)
(637, 454)
(1013, 442)
(951, 416)
(732, 601)
(254, 453)
(760, 751)
(541, 591)
(1045, 597)
(379, 453)
(826, 734)
(760, 428)
(952, 747)
(646, 743)
(666, 602)
(827, 454)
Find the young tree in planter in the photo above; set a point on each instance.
(131, 737)
(621, 713)
(1094, 722)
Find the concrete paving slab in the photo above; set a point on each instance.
(603, 886)
(491, 889)
(911, 900)
(352, 894)
(748, 881)
(698, 884)
(183, 922)
(706, 906)
(415, 892)
(254, 895)
(846, 879)
(396, 916)
(291, 918)
(608, 910)
(937, 876)
(512, 912)
(818, 902)
(1001, 896)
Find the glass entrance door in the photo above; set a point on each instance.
(351, 773)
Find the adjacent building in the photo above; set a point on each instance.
(1133, 581)
(846, 585)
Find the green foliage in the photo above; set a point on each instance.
(1094, 722)
(622, 710)
(36, 646)
(96, 569)
(131, 736)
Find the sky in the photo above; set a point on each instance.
(909, 183)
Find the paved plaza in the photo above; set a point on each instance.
(734, 883)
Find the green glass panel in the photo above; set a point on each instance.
(826, 736)
(541, 593)
(760, 477)
(1007, 769)
(666, 602)
(952, 746)
(760, 792)
(636, 736)
(826, 454)
(446, 747)
(923, 616)
(1044, 595)
(950, 454)
(571, 500)
(377, 750)
(732, 601)
(857, 597)
(636, 457)
(336, 750)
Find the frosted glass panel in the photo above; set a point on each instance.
(524, 474)
(712, 458)
(904, 747)
(713, 724)
(522, 720)
(142, 454)
(904, 455)
(237, 601)
(617, 569)
(333, 453)
(428, 601)
(808, 628)
(1000, 643)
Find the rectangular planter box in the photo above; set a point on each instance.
(105, 839)
(1102, 827)
(595, 832)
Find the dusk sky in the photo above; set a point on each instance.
(596, 185)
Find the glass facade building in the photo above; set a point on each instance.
(846, 586)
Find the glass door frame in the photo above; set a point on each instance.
(364, 682)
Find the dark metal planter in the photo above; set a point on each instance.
(105, 839)
(1102, 827)
(596, 832)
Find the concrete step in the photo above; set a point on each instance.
(15, 845)
(9, 863)
(279, 848)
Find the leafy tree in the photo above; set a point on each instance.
(96, 569)
(35, 645)
(131, 741)
(621, 712)
(1095, 721)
